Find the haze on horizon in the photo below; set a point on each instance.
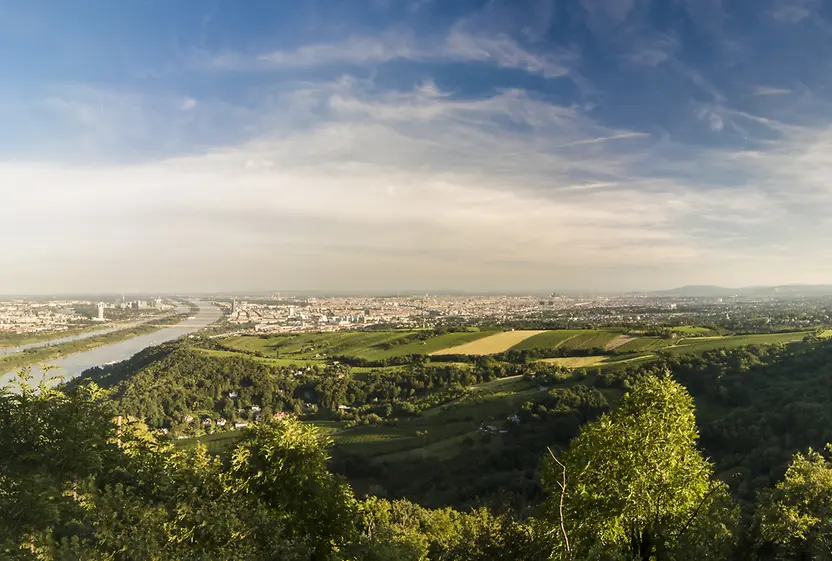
(398, 144)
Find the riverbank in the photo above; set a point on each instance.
(47, 352)
(114, 347)
(11, 340)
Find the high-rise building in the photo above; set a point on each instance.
(101, 311)
(233, 305)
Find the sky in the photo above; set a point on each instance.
(379, 145)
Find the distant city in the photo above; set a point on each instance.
(278, 314)
(59, 315)
(735, 309)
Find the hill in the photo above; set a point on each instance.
(781, 291)
(391, 423)
(432, 436)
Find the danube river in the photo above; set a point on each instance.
(85, 335)
(71, 366)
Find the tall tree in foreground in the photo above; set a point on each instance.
(795, 518)
(50, 443)
(636, 485)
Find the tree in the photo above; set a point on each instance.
(403, 531)
(794, 516)
(50, 442)
(75, 484)
(637, 485)
(284, 464)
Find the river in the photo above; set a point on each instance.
(71, 366)
(85, 335)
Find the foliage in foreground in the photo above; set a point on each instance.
(633, 485)
(639, 485)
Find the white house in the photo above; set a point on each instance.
(240, 425)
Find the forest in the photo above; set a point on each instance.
(717, 455)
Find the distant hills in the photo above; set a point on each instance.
(782, 291)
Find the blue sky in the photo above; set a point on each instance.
(421, 144)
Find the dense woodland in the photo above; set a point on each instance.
(714, 456)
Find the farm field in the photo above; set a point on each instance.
(645, 344)
(492, 344)
(367, 345)
(697, 345)
(619, 341)
(265, 360)
(576, 361)
(548, 339)
(591, 340)
(318, 348)
(426, 347)
(313, 345)
(694, 331)
(573, 339)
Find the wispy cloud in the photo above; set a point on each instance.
(712, 117)
(457, 45)
(589, 142)
(416, 178)
(764, 90)
(354, 50)
(642, 47)
(599, 139)
(607, 13)
(793, 11)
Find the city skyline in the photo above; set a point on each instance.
(596, 145)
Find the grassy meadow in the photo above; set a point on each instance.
(372, 345)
